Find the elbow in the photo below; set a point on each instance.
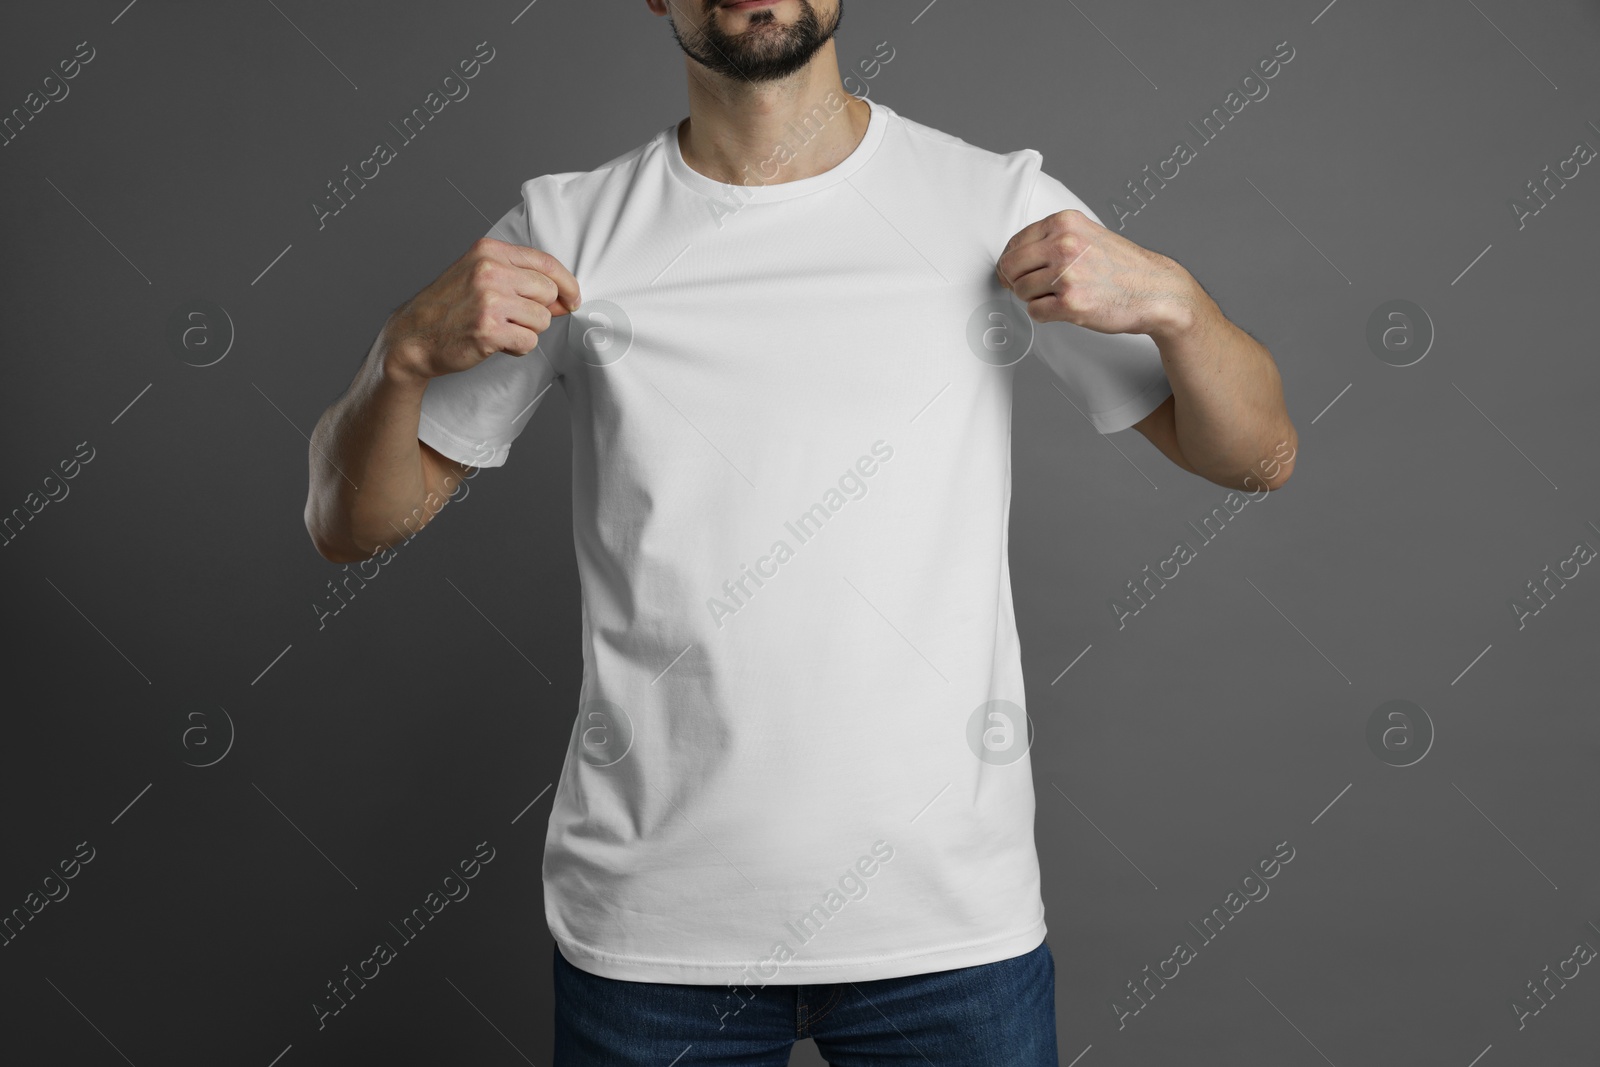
(1274, 473)
(329, 546)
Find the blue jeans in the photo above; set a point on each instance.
(990, 1015)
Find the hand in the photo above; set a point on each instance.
(1068, 268)
(498, 297)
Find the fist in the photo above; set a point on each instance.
(1068, 268)
(498, 297)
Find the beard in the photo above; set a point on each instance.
(766, 51)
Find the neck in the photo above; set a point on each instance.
(741, 133)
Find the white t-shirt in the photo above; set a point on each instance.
(791, 477)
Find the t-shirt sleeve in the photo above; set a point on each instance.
(1115, 379)
(472, 416)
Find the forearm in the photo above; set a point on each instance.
(1228, 408)
(367, 484)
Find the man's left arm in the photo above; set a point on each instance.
(1225, 420)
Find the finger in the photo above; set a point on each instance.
(514, 339)
(1027, 235)
(529, 314)
(543, 263)
(1022, 261)
(529, 284)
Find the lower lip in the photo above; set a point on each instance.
(750, 5)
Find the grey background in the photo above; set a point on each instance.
(432, 712)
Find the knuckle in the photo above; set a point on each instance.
(543, 261)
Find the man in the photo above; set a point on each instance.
(796, 800)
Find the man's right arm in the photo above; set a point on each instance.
(370, 476)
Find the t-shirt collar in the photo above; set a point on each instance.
(766, 177)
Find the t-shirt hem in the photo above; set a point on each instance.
(1125, 415)
(801, 971)
(461, 449)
